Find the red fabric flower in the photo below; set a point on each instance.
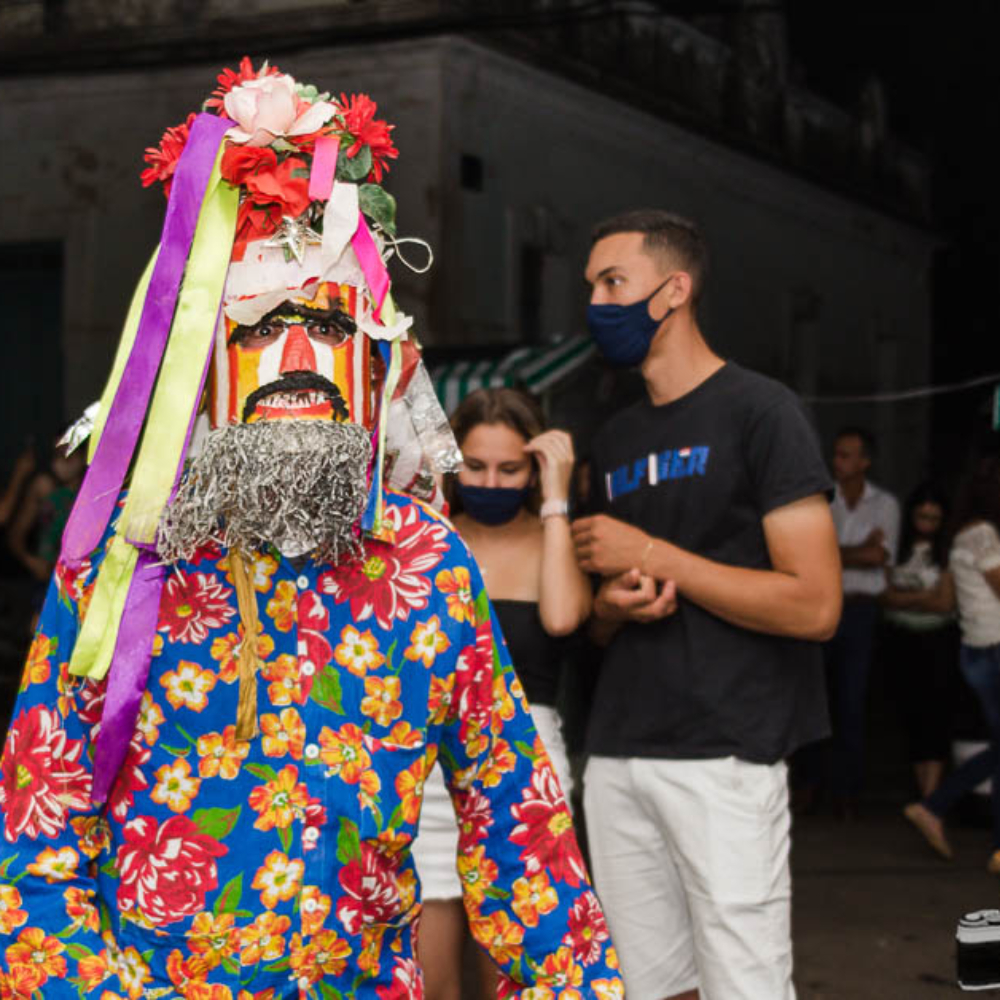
(43, 777)
(229, 78)
(358, 114)
(588, 929)
(163, 159)
(545, 829)
(166, 871)
(280, 185)
(192, 605)
(372, 892)
(392, 580)
(240, 161)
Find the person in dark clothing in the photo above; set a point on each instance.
(720, 575)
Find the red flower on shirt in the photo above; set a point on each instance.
(43, 776)
(166, 870)
(587, 929)
(130, 778)
(192, 605)
(545, 829)
(392, 580)
(372, 892)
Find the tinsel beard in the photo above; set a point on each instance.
(299, 484)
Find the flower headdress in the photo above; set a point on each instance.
(269, 165)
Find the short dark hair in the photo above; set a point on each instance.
(864, 435)
(671, 238)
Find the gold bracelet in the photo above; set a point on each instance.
(645, 556)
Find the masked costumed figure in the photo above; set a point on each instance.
(254, 648)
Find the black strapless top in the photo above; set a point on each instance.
(536, 655)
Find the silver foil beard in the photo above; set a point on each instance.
(299, 484)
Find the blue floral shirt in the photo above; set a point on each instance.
(280, 867)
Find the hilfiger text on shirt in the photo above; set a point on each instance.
(656, 468)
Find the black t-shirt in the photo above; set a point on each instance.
(702, 472)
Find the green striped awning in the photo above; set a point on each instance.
(533, 368)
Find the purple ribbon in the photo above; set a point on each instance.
(101, 486)
(129, 672)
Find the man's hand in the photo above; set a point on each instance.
(607, 546)
(632, 597)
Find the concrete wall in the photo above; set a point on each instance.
(808, 286)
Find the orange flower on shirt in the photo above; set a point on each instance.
(315, 907)
(500, 935)
(280, 801)
(344, 752)
(562, 971)
(37, 668)
(457, 586)
(324, 954)
(35, 957)
(410, 786)
(439, 702)
(188, 686)
(278, 878)
(226, 650)
(477, 873)
(57, 864)
(263, 940)
(282, 608)
(381, 701)
(283, 734)
(286, 686)
(501, 761)
(80, 908)
(213, 938)
(11, 914)
(358, 651)
(534, 897)
(426, 641)
(175, 787)
(92, 833)
(221, 754)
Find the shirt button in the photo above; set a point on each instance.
(307, 667)
(303, 582)
(304, 982)
(310, 905)
(312, 751)
(310, 835)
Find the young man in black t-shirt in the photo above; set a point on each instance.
(721, 575)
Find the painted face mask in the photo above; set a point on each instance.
(304, 359)
(623, 334)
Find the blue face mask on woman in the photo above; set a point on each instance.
(491, 505)
(623, 334)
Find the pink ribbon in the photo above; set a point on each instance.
(101, 486)
(324, 167)
(375, 271)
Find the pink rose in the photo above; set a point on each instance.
(268, 108)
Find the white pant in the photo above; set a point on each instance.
(690, 861)
(436, 845)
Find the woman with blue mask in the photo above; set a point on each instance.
(510, 504)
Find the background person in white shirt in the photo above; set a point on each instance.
(867, 521)
(973, 583)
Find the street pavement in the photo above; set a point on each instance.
(875, 910)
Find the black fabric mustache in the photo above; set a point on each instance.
(297, 381)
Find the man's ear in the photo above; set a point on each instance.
(680, 290)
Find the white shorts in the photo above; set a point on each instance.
(690, 860)
(436, 845)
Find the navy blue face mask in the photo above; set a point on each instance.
(491, 505)
(623, 334)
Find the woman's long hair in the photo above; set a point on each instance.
(515, 409)
(926, 492)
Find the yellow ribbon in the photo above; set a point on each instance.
(125, 344)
